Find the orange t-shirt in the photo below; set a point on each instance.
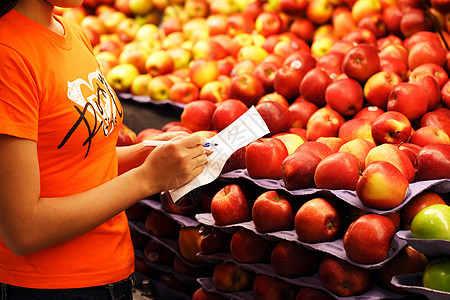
(52, 92)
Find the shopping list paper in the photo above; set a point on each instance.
(246, 129)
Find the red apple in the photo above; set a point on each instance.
(293, 7)
(187, 244)
(227, 112)
(391, 127)
(264, 157)
(247, 88)
(416, 204)
(392, 15)
(426, 52)
(375, 23)
(266, 287)
(301, 110)
(345, 96)
(342, 20)
(391, 64)
(445, 93)
(361, 36)
(393, 49)
(369, 112)
(244, 66)
(331, 62)
(148, 134)
(249, 247)
(272, 212)
(276, 116)
(338, 171)
(239, 23)
(429, 84)
(265, 72)
(303, 28)
(298, 170)
(172, 282)
(301, 132)
(378, 87)
(126, 136)
(411, 150)
(229, 277)
(235, 161)
(197, 115)
(253, 9)
(226, 65)
(183, 92)
(159, 224)
(202, 294)
(334, 143)
(318, 220)
(212, 240)
(324, 122)
(314, 148)
(407, 261)
(287, 81)
(438, 73)
(415, 20)
(356, 128)
(290, 259)
(230, 205)
(368, 239)
(439, 118)
(268, 23)
(421, 36)
(157, 253)
(441, 5)
(215, 91)
(309, 293)
(275, 97)
(314, 85)
(433, 162)
(382, 186)
(359, 147)
(392, 154)
(429, 135)
(342, 278)
(361, 62)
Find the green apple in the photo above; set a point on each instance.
(436, 275)
(432, 222)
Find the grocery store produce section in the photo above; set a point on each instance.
(346, 197)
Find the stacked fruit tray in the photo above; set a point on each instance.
(238, 261)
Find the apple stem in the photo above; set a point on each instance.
(330, 225)
(152, 256)
(393, 134)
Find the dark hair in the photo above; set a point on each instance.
(6, 6)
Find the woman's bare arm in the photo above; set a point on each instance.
(29, 223)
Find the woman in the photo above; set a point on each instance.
(63, 184)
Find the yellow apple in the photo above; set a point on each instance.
(139, 86)
(255, 53)
(291, 140)
(121, 77)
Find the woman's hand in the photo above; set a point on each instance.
(175, 164)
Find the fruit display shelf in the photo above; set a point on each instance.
(193, 212)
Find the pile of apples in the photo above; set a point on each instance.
(356, 95)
